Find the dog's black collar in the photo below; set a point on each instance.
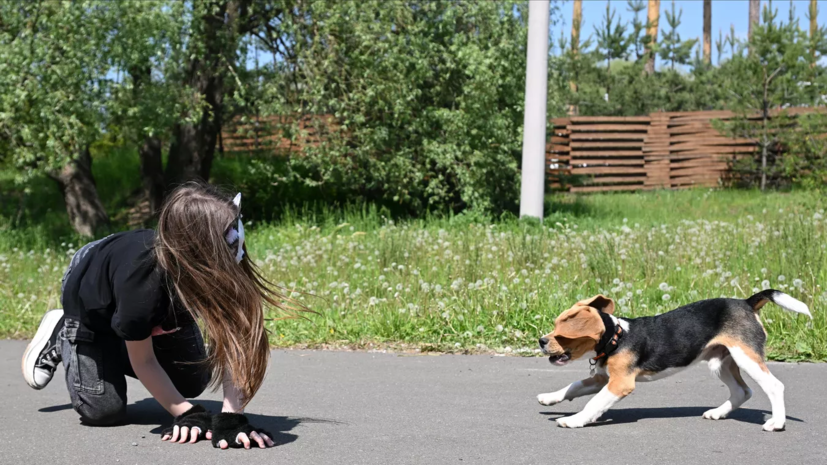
(608, 342)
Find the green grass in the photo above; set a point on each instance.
(467, 283)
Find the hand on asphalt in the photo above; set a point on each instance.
(262, 440)
(184, 435)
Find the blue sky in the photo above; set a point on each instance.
(724, 14)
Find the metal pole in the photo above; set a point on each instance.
(532, 189)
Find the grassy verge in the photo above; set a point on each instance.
(467, 283)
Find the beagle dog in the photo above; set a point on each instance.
(727, 333)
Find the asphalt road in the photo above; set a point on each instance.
(371, 408)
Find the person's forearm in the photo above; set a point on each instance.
(157, 382)
(232, 397)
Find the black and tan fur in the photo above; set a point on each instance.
(727, 333)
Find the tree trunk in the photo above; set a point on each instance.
(708, 32)
(152, 169)
(152, 172)
(86, 212)
(576, 22)
(653, 15)
(193, 144)
(765, 114)
(754, 16)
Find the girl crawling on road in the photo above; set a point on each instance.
(130, 306)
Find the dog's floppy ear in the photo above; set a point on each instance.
(579, 322)
(600, 302)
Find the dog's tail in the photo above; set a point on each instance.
(779, 298)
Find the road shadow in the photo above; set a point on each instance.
(55, 408)
(632, 415)
(149, 412)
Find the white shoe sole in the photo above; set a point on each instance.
(41, 338)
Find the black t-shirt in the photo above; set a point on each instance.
(118, 287)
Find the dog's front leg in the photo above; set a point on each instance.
(615, 390)
(574, 390)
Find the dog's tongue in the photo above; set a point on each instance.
(559, 359)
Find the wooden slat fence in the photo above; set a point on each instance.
(274, 134)
(659, 151)
(671, 150)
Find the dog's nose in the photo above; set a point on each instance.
(543, 341)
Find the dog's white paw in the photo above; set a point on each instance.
(574, 421)
(716, 413)
(549, 399)
(774, 424)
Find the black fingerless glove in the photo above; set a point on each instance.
(196, 417)
(228, 426)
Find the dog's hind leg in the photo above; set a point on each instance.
(574, 390)
(727, 370)
(755, 367)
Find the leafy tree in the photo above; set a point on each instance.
(148, 101)
(612, 41)
(639, 40)
(426, 100)
(53, 87)
(672, 48)
(151, 73)
(720, 42)
(775, 75)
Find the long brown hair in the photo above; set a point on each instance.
(228, 298)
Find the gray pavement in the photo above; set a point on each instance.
(371, 408)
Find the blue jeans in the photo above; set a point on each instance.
(97, 364)
(96, 370)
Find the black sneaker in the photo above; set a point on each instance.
(41, 357)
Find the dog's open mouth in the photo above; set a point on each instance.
(561, 359)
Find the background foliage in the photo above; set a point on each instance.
(399, 226)
(420, 103)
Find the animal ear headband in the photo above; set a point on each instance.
(235, 235)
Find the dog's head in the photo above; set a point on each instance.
(577, 330)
